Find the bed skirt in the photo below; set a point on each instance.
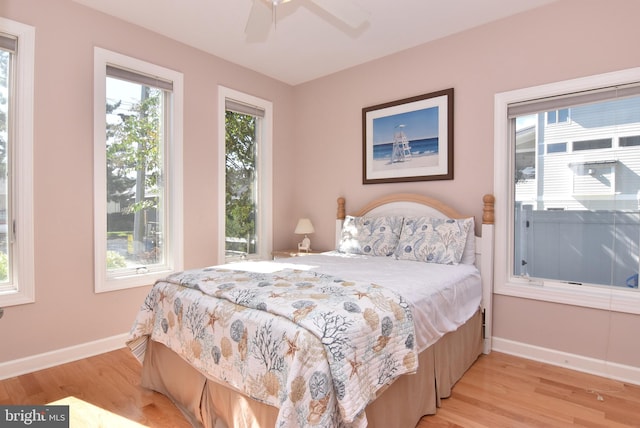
(206, 403)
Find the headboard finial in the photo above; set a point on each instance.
(488, 211)
(342, 213)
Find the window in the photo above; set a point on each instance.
(629, 141)
(557, 148)
(245, 176)
(601, 143)
(138, 171)
(571, 233)
(17, 49)
(557, 116)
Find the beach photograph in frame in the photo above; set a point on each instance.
(409, 139)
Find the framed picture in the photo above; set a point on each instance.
(409, 139)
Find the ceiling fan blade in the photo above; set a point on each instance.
(345, 10)
(259, 22)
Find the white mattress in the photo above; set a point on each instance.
(443, 297)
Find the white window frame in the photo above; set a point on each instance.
(22, 287)
(173, 173)
(264, 223)
(608, 298)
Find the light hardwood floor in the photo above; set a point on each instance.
(498, 391)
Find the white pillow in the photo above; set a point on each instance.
(374, 236)
(433, 240)
(469, 254)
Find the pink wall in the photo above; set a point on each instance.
(67, 312)
(567, 39)
(317, 153)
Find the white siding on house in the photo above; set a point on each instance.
(588, 179)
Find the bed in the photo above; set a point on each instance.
(347, 338)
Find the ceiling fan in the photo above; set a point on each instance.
(263, 15)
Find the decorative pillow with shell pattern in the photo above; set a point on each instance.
(433, 240)
(374, 236)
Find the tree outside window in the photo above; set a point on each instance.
(241, 184)
(133, 177)
(5, 58)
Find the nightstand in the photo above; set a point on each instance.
(281, 254)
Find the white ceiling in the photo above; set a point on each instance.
(306, 42)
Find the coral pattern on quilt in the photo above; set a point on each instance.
(315, 346)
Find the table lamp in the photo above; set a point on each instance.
(304, 227)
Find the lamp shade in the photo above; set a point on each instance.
(304, 226)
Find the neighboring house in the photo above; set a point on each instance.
(582, 160)
(578, 159)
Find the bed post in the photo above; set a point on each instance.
(340, 215)
(486, 269)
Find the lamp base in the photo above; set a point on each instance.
(305, 245)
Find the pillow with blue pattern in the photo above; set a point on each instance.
(433, 240)
(374, 236)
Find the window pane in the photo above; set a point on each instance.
(135, 194)
(563, 115)
(602, 143)
(5, 147)
(557, 148)
(241, 143)
(577, 219)
(630, 141)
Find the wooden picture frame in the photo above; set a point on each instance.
(409, 139)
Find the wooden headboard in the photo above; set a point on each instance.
(409, 204)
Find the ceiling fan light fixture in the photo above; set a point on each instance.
(263, 15)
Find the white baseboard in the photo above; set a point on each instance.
(581, 363)
(61, 356)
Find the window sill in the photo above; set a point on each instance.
(131, 281)
(610, 299)
(16, 297)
